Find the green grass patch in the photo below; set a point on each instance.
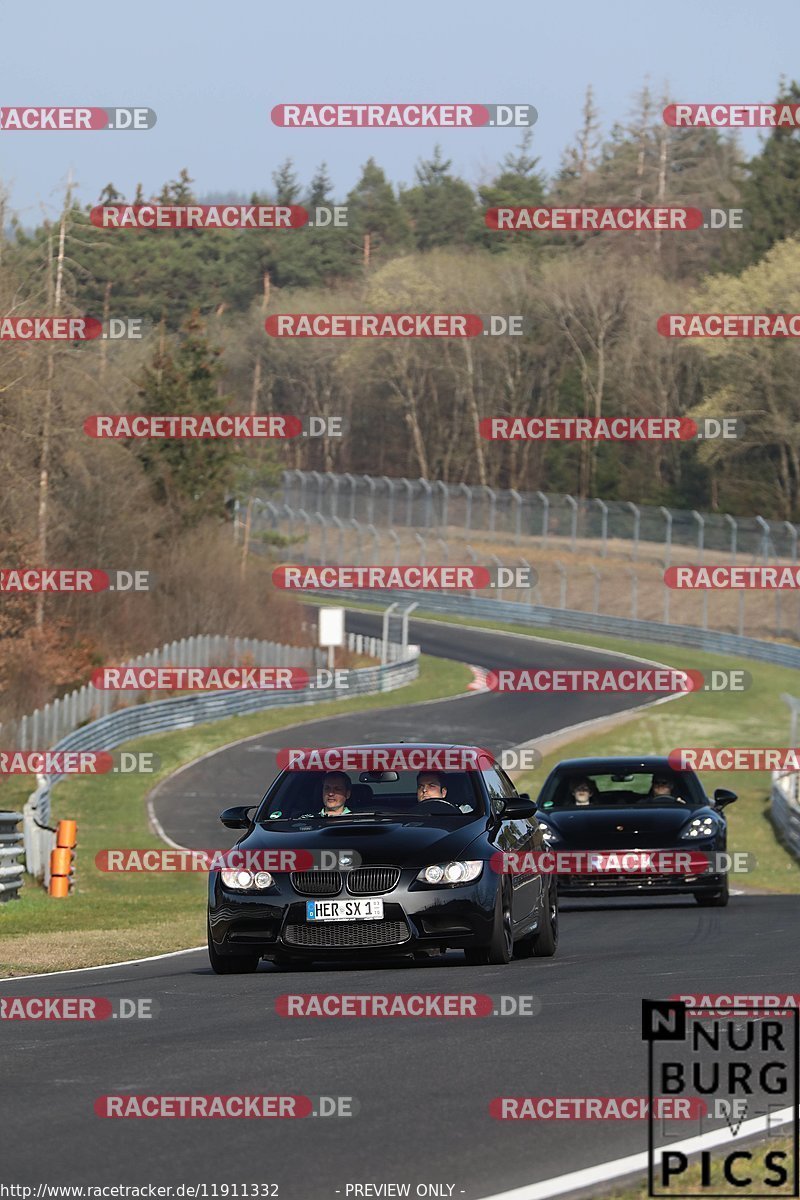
(112, 917)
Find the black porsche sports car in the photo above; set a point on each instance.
(634, 804)
(412, 871)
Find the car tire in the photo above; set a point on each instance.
(713, 899)
(545, 941)
(501, 944)
(230, 964)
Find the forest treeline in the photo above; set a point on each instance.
(590, 303)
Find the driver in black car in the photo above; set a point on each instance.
(335, 794)
(430, 786)
(663, 788)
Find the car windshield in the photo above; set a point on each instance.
(621, 789)
(373, 796)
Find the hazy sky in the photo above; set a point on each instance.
(213, 71)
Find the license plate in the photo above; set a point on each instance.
(344, 910)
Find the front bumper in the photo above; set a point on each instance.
(416, 917)
(646, 883)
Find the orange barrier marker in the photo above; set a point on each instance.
(62, 859)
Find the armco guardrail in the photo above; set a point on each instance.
(785, 809)
(46, 725)
(184, 712)
(11, 847)
(688, 637)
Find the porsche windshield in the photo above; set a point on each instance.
(372, 795)
(622, 789)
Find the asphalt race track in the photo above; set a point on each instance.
(423, 1086)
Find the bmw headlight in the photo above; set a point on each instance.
(549, 835)
(245, 881)
(699, 827)
(451, 873)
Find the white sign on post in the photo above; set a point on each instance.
(331, 630)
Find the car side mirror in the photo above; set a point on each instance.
(237, 817)
(519, 807)
(723, 796)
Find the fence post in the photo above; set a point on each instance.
(573, 503)
(603, 526)
(408, 485)
(428, 502)
(734, 524)
(517, 514)
(462, 487)
(335, 481)
(764, 525)
(545, 513)
(371, 484)
(390, 484)
(701, 526)
(667, 515)
(637, 518)
(445, 498)
(793, 535)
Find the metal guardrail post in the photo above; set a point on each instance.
(387, 612)
(406, 613)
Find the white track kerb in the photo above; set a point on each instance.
(636, 1164)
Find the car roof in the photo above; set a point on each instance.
(616, 763)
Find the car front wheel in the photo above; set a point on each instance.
(230, 964)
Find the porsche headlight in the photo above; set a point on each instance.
(699, 827)
(245, 881)
(451, 873)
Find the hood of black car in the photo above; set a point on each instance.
(611, 829)
(405, 842)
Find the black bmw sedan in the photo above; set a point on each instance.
(616, 807)
(396, 859)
